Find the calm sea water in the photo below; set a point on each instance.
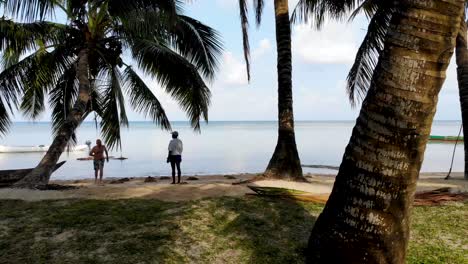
(221, 148)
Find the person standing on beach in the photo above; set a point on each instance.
(175, 155)
(98, 153)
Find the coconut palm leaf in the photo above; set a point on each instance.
(316, 11)
(30, 9)
(62, 97)
(198, 43)
(5, 119)
(258, 7)
(360, 76)
(124, 7)
(45, 70)
(143, 100)
(23, 37)
(113, 109)
(245, 34)
(187, 86)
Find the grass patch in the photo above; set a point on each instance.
(218, 230)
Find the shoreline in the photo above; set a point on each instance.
(206, 186)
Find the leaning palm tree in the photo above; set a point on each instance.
(80, 65)
(285, 162)
(379, 13)
(366, 219)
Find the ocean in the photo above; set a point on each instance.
(221, 148)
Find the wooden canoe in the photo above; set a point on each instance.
(8, 177)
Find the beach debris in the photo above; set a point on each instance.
(183, 183)
(192, 178)
(289, 194)
(151, 179)
(119, 181)
(439, 197)
(230, 177)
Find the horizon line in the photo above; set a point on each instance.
(303, 120)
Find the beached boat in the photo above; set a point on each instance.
(448, 139)
(39, 148)
(8, 177)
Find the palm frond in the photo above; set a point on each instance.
(62, 97)
(258, 7)
(177, 75)
(30, 9)
(317, 11)
(360, 76)
(143, 100)
(245, 34)
(45, 70)
(113, 108)
(199, 43)
(120, 8)
(368, 7)
(19, 38)
(5, 119)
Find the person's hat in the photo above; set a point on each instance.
(175, 133)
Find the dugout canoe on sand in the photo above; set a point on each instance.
(8, 177)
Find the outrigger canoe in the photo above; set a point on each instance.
(448, 139)
(39, 148)
(8, 177)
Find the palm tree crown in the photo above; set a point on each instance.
(40, 57)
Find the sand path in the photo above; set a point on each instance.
(206, 186)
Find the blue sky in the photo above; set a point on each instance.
(321, 60)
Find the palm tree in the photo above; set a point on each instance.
(366, 219)
(285, 162)
(380, 13)
(80, 65)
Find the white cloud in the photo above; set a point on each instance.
(264, 47)
(232, 71)
(334, 44)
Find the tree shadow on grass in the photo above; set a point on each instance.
(267, 230)
(215, 230)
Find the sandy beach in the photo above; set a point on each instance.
(204, 187)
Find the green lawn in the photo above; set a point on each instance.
(221, 230)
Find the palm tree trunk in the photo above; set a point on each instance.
(366, 219)
(285, 163)
(462, 74)
(41, 174)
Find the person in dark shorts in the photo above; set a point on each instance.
(98, 153)
(175, 155)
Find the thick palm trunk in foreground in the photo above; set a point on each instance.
(41, 174)
(462, 74)
(285, 163)
(366, 219)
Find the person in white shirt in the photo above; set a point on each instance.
(175, 155)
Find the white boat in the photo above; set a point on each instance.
(39, 148)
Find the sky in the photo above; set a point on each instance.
(321, 61)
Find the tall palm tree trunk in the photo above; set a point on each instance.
(366, 219)
(462, 74)
(285, 163)
(41, 174)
